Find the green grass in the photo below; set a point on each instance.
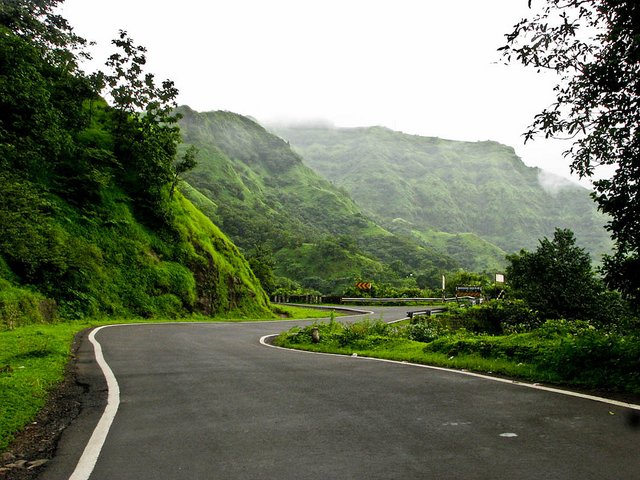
(560, 353)
(33, 360)
(291, 312)
(404, 350)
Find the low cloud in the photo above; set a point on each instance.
(552, 183)
(292, 122)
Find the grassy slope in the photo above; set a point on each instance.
(456, 187)
(108, 263)
(260, 193)
(474, 253)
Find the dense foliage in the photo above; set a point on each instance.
(595, 47)
(557, 279)
(88, 225)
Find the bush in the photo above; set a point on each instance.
(514, 315)
(427, 329)
(592, 357)
(19, 306)
(563, 328)
(612, 311)
(517, 348)
(358, 331)
(494, 317)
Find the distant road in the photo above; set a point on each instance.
(209, 401)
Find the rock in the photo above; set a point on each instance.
(37, 463)
(17, 464)
(315, 335)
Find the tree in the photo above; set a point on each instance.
(41, 91)
(557, 279)
(186, 163)
(36, 22)
(147, 133)
(261, 261)
(594, 46)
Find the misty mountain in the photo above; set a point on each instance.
(422, 186)
(262, 195)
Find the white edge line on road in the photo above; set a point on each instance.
(91, 452)
(536, 386)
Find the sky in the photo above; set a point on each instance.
(424, 67)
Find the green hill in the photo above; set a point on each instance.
(262, 195)
(429, 184)
(90, 224)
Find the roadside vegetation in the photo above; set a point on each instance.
(562, 352)
(555, 322)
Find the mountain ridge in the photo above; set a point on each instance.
(448, 185)
(261, 193)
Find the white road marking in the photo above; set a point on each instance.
(91, 452)
(536, 386)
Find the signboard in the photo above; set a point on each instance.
(363, 285)
(470, 291)
(499, 278)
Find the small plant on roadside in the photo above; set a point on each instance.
(427, 329)
(357, 331)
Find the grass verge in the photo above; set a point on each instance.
(559, 353)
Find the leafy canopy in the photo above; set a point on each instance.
(556, 279)
(594, 46)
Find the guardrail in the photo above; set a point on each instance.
(396, 300)
(428, 312)
(404, 300)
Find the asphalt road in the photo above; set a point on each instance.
(209, 401)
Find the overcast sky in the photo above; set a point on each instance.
(425, 67)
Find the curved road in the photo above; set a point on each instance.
(209, 401)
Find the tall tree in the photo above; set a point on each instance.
(556, 279)
(41, 89)
(37, 22)
(147, 132)
(594, 45)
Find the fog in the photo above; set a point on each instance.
(552, 183)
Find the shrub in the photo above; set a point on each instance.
(514, 315)
(427, 329)
(494, 317)
(19, 306)
(563, 328)
(358, 331)
(593, 357)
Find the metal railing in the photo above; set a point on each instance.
(404, 300)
